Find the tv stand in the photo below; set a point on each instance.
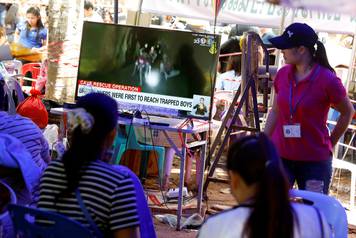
(189, 122)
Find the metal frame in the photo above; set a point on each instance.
(250, 77)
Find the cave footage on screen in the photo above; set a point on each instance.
(164, 62)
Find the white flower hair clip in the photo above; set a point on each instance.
(80, 117)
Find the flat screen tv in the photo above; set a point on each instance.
(146, 67)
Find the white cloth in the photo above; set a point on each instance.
(95, 17)
(228, 81)
(230, 224)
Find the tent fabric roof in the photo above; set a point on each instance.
(336, 6)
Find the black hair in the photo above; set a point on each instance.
(234, 63)
(256, 160)
(230, 46)
(319, 55)
(87, 147)
(88, 5)
(36, 12)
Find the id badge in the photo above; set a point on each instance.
(292, 131)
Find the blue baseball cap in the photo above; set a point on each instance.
(296, 34)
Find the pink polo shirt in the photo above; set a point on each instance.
(311, 113)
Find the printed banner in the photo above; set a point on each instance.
(133, 95)
(252, 12)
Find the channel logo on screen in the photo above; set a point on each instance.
(206, 41)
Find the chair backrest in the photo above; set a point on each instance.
(55, 225)
(333, 211)
(132, 138)
(7, 196)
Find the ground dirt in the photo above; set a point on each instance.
(219, 198)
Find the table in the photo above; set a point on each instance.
(21, 53)
(174, 126)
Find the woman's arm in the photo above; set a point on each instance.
(346, 113)
(132, 232)
(272, 118)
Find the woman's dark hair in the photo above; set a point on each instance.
(11, 17)
(36, 12)
(88, 5)
(87, 147)
(230, 46)
(256, 160)
(234, 63)
(320, 56)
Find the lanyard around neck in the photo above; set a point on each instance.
(292, 109)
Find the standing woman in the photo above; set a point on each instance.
(32, 34)
(304, 91)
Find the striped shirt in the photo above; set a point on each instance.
(109, 196)
(29, 134)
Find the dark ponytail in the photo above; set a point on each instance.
(320, 56)
(83, 149)
(255, 159)
(88, 146)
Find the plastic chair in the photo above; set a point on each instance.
(58, 227)
(123, 143)
(5, 221)
(333, 211)
(31, 70)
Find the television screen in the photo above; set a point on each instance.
(163, 69)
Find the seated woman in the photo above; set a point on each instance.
(32, 34)
(108, 194)
(261, 189)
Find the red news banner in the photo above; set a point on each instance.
(110, 86)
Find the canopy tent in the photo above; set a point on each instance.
(341, 6)
(28, 2)
(318, 14)
(253, 12)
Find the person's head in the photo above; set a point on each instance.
(234, 63)
(108, 18)
(92, 131)
(202, 100)
(33, 17)
(88, 8)
(257, 177)
(230, 46)
(299, 43)
(12, 14)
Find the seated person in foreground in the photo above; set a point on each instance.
(261, 190)
(23, 129)
(18, 170)
(108, 194)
